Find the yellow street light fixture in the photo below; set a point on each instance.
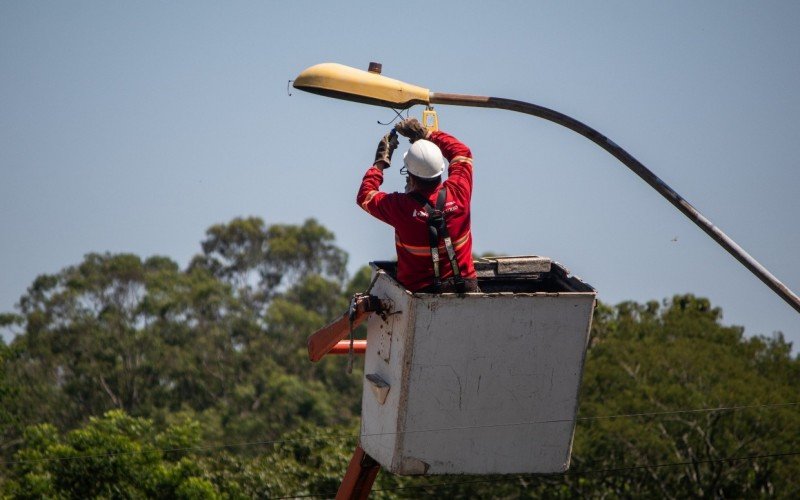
(370, 87)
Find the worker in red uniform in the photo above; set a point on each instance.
(432, 218)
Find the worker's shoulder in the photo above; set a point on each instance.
(400, 200)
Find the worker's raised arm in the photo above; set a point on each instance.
(459, 171)
(452, 149)
(369, 196)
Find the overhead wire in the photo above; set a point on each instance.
(441, 429)
(598, 417)
(399, 115)
(695, 410)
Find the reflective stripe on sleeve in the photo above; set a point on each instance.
(368, 199)
(461, 159)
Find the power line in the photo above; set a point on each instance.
(600, 417)
(568, 473)
(441, 429)
(696, 410)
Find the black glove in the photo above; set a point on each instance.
(383, 155)
(411, 128)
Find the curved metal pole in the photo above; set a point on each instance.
(632, 163)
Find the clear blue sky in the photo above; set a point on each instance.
(133, 126)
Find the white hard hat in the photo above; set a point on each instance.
(424, 159)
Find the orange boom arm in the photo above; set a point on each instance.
(323, 340)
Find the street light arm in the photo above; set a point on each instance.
(370, 87)
(638, 168)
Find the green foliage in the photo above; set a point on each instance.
(117, 332)
(256, 260)
(144, 336)
(113, 456)
(118, 456)
(650, 359)
(133, 378)
(8, 391)
(360, 282)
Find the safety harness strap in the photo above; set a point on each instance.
(437, 228)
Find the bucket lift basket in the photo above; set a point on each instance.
(481, 383)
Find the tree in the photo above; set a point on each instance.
(118, 456)
(256, 260)
(681, 357)
(119, 359)
(117, 332)
(8, 421)
(143, 336)
(114, 456)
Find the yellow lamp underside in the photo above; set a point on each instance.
(343, 82)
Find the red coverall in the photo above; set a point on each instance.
(414, 263)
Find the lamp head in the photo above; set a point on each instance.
(368, 87)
